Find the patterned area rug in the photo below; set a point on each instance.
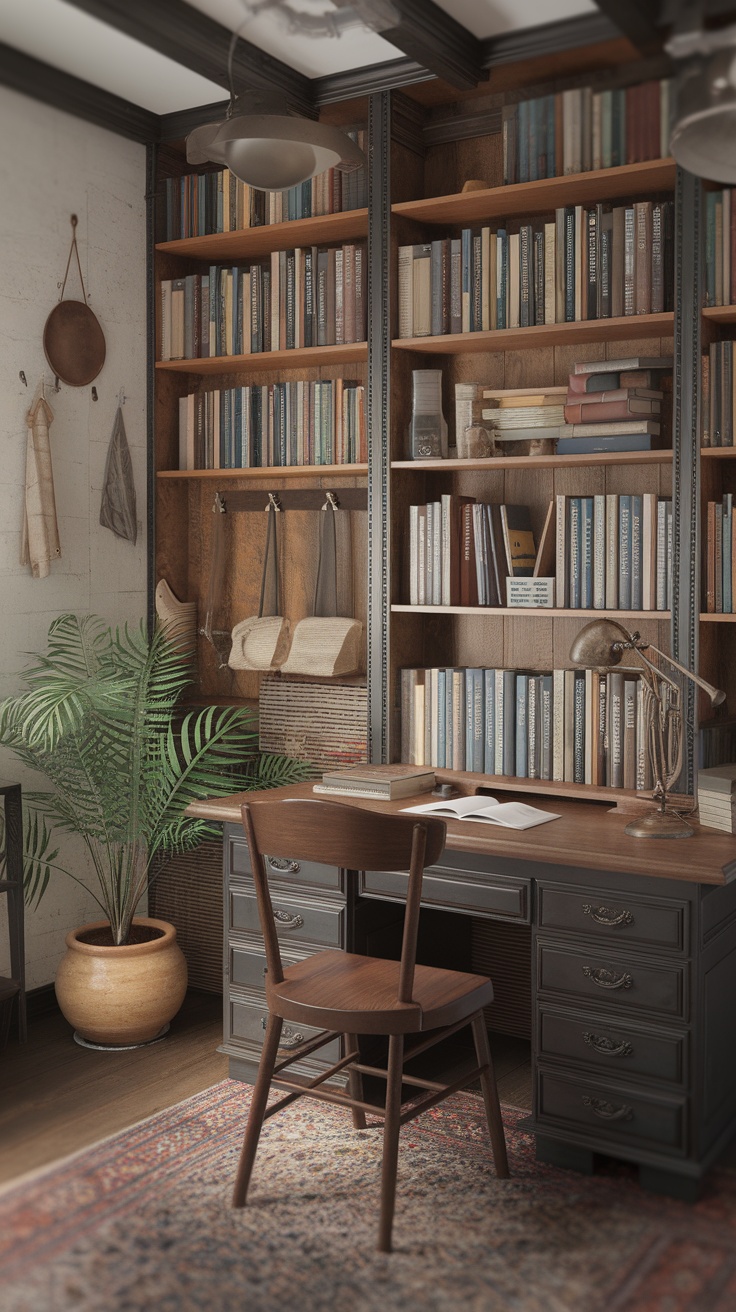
(143, 1221)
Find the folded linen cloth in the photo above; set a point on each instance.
(118, 509)
(40, 529)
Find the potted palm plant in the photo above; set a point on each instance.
(101, 718)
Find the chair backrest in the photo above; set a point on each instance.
(335, 834)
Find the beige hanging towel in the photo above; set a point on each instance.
(118, 510)
(40, 529)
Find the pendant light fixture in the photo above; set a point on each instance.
(703, 138)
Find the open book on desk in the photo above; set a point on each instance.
(486, 810)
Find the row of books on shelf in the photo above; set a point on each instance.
(719, 382)
(305, 297)
(200, 204)
(582, 129)
(596, 263)
(291, 423)
(720, 247)
(571, 726)
(604, 552)
(720, 556)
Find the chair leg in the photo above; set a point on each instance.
(490, 1096)
(355, 1083)
(391, 1141)
(257, 1109)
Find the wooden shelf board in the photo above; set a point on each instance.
(467, 782)
(720, 313)
(305, 357)
(269, 472)
(541, 462)
(707, 618)
(259, 241)
(718, 452)
(545, 195)
(545, 612)
(554, 334)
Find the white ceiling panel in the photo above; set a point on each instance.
(60, 35)
(315, 57)
(492, 17)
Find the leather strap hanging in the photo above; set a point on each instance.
(262, 641)
(327, 645)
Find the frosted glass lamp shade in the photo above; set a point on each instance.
(273, 152)
(703, 137)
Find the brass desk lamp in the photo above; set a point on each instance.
(600, 646)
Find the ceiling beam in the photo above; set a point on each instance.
(639, 20)
(435, 40)
(190, 38)
(366, 81)
(547, 39)
(62, 91)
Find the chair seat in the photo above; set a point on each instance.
(366, 988)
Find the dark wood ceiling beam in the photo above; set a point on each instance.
(547, 39)
(638, 20)
(389, 76)
(190, 38)
(437, 42)
(33, 78)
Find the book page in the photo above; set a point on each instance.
(510, 815)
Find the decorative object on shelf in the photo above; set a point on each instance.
(428, 427)
(73, 340)
(326, 644)
(475, 184)
(101, 718)
(40, 543)
(261, 642)
(600, 646)
(476, 442)
(702, 139)
(177, 619)
(118, 509)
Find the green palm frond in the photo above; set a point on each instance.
(39, 857)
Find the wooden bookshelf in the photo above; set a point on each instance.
(707, 618)
(322, 230)
(718, 453)
(720, 313)
(533, 612)
(306, 357)
(490, 464)
(542, 335)
(270, 473)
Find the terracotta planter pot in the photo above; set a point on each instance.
(125, 994)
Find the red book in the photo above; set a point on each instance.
(617, 394)
(592, 413)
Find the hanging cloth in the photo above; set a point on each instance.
(118, 511)
(40, 530)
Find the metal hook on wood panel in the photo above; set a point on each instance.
(219, 504)
(332, 500)
(274, 501)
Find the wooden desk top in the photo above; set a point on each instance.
(587, 835)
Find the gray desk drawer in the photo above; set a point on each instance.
(613, 1112)
(301, 872)
(248, 965)
(623, 917)
(600, 1043)
(624, 981)
(496, 897)
(295, 918)
(248, 1023)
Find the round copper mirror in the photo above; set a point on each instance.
(73, 340)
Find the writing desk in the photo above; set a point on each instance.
(633, 969)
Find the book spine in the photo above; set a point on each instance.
(624, 559)
(522, 682)
(579, 729)
(599, 552)
(532, 728)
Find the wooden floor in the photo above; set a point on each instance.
(57, 1097)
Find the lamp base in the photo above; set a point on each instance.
(659, 824)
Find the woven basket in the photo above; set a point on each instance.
(325, 724)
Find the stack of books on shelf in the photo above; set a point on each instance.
(589, 263)
(293, 423)
(613, 552)
(720, 247)
(461, 552)
(303, 297)
(582, 129)
(617, 405)
(525, 413)
(720, 556)
(717, 797)
(719, 382)
(201, 204)
(572, 726)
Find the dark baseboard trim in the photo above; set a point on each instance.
(41, 1002)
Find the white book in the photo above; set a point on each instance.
(558, 725)
(649, 551)
(569, 676)
(498, 720)
(590, 717)
(562, 577)
(599, 552)
(487, 810)
(611, 551)
(550, 260)
(413, 555)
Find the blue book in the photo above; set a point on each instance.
(586, 553)
(574, 525)
(442, 719)
(509, 729)
(474, 753)
(466, 256)
(522, 694)
(489, 703)
(624, 553)
(502, 256)
(637, 575)
(617, 442)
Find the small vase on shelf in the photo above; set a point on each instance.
(428, 428)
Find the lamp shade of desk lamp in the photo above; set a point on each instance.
(600, 646)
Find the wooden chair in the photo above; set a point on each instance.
(343, 993)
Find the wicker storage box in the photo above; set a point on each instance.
(323, 723)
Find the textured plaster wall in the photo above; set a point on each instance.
(53, 165)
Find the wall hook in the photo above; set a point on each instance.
(219, 504)
(331, 501)
(273, 500)
(95, 397)
(23, 378)
(122, 398)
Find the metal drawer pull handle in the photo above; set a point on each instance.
(607, 979)
(607, 1111)
(289, 1038)
(607, 1047)
(607, 916)
(287, 921)
(279, 863)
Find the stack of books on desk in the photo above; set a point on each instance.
(717, 797)
(616, 405)
(381, 782)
